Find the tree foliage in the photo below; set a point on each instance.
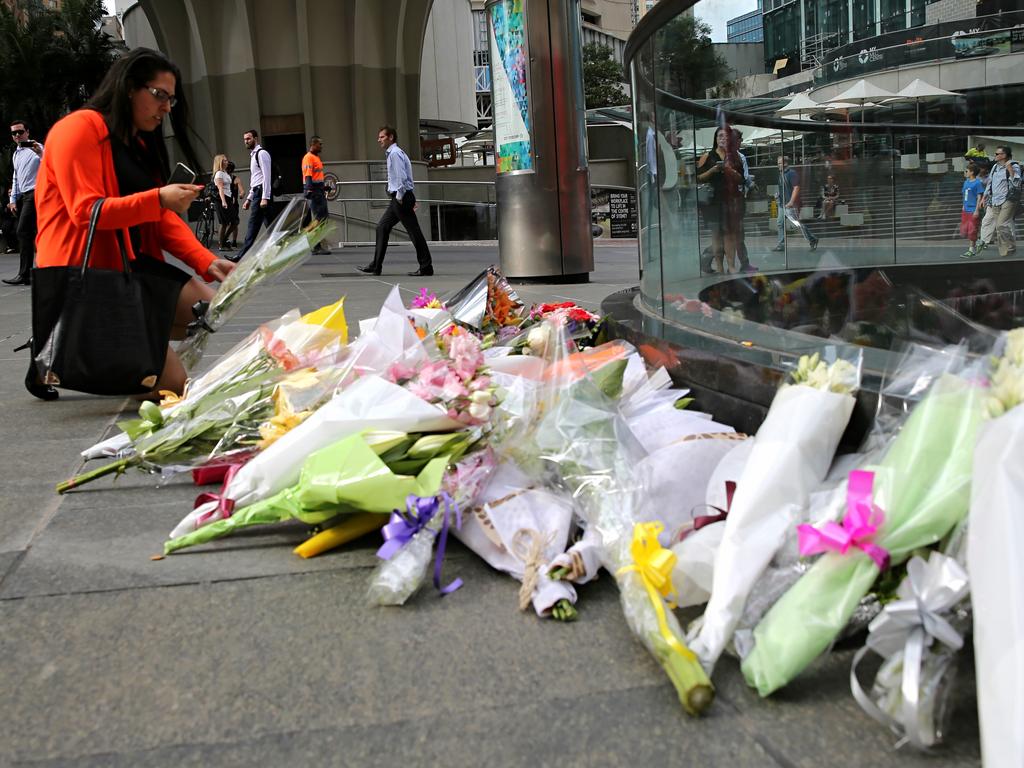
(602, 77)
(51, 61)
(686, 61)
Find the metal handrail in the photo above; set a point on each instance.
(344, 200)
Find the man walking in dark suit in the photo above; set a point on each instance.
(402, 207)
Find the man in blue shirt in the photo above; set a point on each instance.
(22, 202)
(261, 191)
(788, 199)
(401, 209)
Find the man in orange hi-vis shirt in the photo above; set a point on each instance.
(313, 186)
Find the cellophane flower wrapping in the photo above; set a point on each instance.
(366, 471)
(281, 248)
(922, 485)
(374, 403)
(396, 580)
(995, 543)
(513, 515)
(585, 438)
(696, 548)
(790, 457)
(919, 634)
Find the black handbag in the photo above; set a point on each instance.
(101, 331)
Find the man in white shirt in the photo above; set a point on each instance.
(401, 209)
(22, 201)
(260, 190)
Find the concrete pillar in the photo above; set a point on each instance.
(542, 184)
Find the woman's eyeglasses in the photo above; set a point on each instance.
(163, 96)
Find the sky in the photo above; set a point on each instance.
(717, 12)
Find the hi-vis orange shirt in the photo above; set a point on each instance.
(312, 167)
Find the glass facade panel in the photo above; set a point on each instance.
(649, 159)
(841, 217)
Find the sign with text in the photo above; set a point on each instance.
(622, 213)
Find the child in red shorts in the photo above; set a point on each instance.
(973, 189)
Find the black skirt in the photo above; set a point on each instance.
(227, 216)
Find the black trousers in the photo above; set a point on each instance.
(401, 212)
(258, 217)
(27, 232)
(317, 208)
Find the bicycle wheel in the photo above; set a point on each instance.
(331, 183)
(204, 227)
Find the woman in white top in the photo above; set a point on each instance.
(227, 211)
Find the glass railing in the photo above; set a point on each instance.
(832, 225)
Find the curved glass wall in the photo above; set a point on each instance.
(838, 223)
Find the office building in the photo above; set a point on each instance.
(747, 28)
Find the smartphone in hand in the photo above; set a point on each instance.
(182, 174)
(26, 144)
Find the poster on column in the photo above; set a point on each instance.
(509, 61)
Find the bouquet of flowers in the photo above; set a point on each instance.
(790, 457)
(586, 439)
(995, 537)
(518, 526)
(382, 405)
(369, 471)
(486, 304)
(916, 494)
(406, 554)
(918, 635)
(290, 342)
(280, 249)
(245, 398)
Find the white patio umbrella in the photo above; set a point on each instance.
(917, 91)
(862, 92)
(800, 105)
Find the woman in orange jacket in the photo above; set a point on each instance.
(114, 149)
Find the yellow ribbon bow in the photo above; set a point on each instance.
(654, 564)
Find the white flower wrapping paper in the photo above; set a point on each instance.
(790, 458)
(694, 572)
(510, 511)
(995, 540)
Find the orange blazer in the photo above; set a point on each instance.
(78, 168)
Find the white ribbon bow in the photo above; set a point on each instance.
(910, 625)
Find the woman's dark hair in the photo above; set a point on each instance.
(113, 100)
(230, 167)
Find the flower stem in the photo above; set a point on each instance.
(117, 467)
(691, 682)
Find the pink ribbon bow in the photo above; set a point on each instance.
(860, 523)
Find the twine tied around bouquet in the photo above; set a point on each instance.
(482, 513)
(528, 545)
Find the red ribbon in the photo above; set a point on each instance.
(702, 520)
(225, 506)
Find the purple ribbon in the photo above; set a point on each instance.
(402, 526)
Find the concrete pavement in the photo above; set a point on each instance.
(240, 653)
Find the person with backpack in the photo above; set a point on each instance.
(1002, 196)
(261, 192)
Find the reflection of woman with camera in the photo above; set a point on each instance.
(114, 150)
(721, 175)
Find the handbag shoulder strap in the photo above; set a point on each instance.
(93, 221)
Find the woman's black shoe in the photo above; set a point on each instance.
(36, 387)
